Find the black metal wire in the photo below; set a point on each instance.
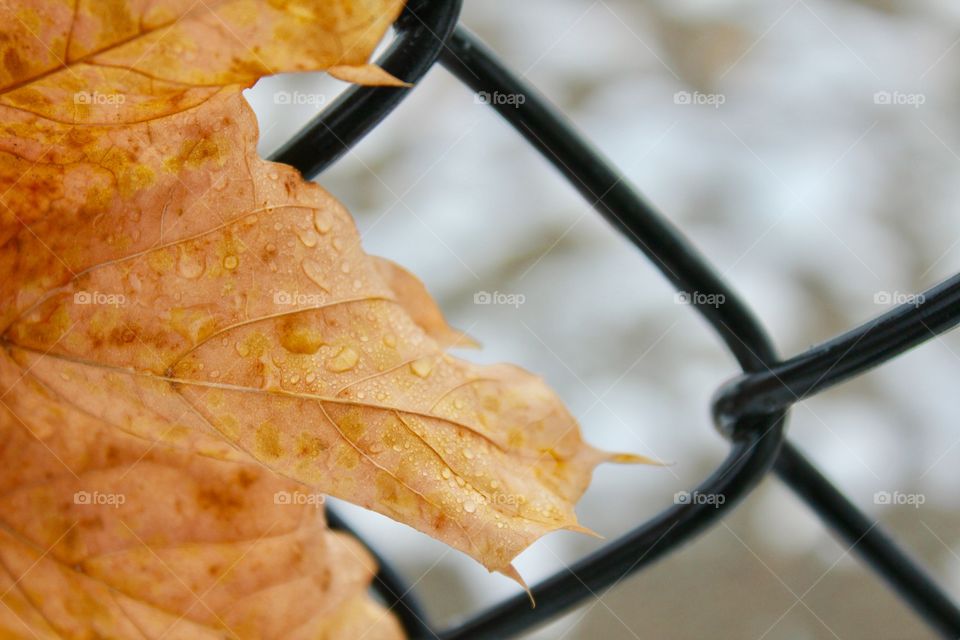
(934, 311)
(869, 542)
(749, 410)
(421, 30)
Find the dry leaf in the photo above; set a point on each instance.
(107, 535)
(116, 522)
(368, 74)
(412, 295)
(173, 298)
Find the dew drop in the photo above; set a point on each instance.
(322, 221)
(314, 271)
(422, 367)
(345, 360)
(345, 267)
(469, 506)
(190, 266)
(242, 349)
(307, 237)
(390, 340)
(468, 454)
(230, 262)
(445, 473)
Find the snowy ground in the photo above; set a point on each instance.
(819, 201)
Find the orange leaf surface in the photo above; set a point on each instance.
(107, 535)
(180, 318)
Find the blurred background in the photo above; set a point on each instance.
(811, 149)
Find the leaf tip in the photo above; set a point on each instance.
(633, 458)
(461, 340)
(579, 528)
(511, 572)
(370, 75)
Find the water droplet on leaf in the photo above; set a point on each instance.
(422, 367)
(322, 221)
(314, 271)
(345, 360)
(307, 237)
(190, 266)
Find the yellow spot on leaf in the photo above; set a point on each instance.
(268, 440)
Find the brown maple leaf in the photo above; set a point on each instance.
(191, 333)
